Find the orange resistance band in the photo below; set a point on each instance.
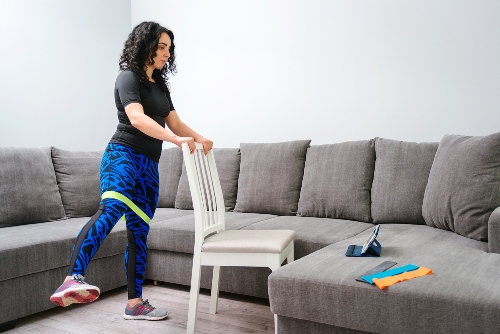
(383, 283)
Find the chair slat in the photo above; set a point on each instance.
(204, 177)
(200, 188)
(211, 191)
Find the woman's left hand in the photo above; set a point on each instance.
(207, 144)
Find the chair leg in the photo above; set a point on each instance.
(215, 290)
(273, 268)
(290, 257)
(194, 293)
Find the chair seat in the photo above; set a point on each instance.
(248, 241)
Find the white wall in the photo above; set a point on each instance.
(257, 71)
(58, 65)
(332, 71)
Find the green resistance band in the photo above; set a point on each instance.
(129, 203)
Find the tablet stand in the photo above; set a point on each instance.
(374, 250)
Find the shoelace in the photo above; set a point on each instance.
(147, 304)
(79, 279)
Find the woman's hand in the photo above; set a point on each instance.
(179, 128)
(207, 144)
(189, 140)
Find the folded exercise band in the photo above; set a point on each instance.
(383, 283)
(128, 202)
(391, 272)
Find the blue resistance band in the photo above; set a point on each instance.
(391, 272)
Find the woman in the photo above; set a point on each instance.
(129, 167)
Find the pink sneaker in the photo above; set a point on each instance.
(75, 290)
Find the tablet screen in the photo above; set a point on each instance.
(370, 239)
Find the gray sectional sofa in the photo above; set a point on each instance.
(438, 205)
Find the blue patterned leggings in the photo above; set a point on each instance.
(136, 177)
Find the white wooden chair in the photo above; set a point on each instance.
(214, 246)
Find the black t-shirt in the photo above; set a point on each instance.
(156, 104)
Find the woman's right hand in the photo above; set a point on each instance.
(188, 140)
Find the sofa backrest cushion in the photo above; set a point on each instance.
(28, 187)
(170, 169)
(77, 174)
(271, 177)
(337, 181)
(401, 174)
(227, 161)
(464, 185)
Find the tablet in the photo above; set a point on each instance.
(370, 239)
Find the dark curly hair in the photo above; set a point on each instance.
(140, 49)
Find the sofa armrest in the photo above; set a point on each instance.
(494, 232)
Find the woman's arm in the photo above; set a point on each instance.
(175, 124)
(145, 124)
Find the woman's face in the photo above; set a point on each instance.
(162, 53)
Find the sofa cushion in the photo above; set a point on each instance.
(177, 234)
(337, 181)
(29, 294)
(312, 233)
(28, 187)
(270, 177)
(401, 174)
(162, 214)
(462, 295)
(170, 169)
(464, 185)
(77, 175)
(33, 248)
(494, 232)
(227, 161)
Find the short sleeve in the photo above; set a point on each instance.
(170, 101)
(128, 87)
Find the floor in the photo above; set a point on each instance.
(236, 314)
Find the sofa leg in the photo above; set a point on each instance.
(7, 325)
(275, 324)
(156, 283)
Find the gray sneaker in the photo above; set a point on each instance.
(144, 311)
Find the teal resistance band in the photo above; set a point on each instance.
(391, 272)
(129, 203)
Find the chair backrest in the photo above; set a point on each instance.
(206, 192)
